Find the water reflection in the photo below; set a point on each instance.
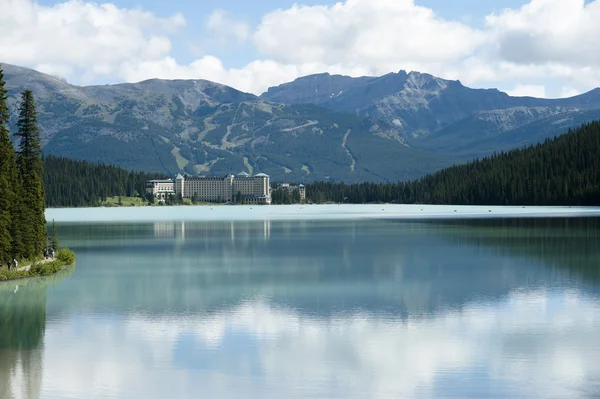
(237, 230)
(22, 327)
(319, 309)
(321, 268)
(536, 344)
(568, 244)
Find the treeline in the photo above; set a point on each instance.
(75, 183)
(284, 197)
(560, 171)
(22, 220)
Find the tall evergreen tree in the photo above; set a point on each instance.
(54, 237)
(8, 178)
(30, 174)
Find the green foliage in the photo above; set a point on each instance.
(238, 198)
(73, 183)
(46, 269)
(6, 275)
(150, 198)
(174, 200)
(561, 171)
(66, 256)
(31, 221)
(283, 197)
(8, 181)
(54, 237)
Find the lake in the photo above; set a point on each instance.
(338, 305)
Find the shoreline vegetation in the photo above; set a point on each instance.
(11, 285)
(65, 258)
(24, 234)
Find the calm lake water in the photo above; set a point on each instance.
(311, 309)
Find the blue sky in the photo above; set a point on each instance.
(472, 12)
(543, 48)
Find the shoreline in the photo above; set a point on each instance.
(22, 281)
(30, 277)
(311, 212)
(42, 268)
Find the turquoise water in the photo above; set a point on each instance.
(310, 309)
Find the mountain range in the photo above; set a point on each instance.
(320, 127)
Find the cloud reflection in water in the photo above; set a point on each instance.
(536, 343)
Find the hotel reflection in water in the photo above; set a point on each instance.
(236, 230)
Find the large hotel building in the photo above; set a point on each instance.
(252, 189)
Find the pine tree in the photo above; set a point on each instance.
(54, 237)
(30, 174)
(8, 178)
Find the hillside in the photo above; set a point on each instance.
(481, 134)
(561, 171)
(421, 105)
(201, 127)
(323, 127)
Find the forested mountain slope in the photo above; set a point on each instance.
(561, 171)
(200, 127)
(427, 109)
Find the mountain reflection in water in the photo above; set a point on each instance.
(333, 309)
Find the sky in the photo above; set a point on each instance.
(542, 48)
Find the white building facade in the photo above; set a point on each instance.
(243, 188)
(161, 189)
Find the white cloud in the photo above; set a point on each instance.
(223, 28)
(548, 31)
(528, 91)
(253, 77)
(549, 42)
(359, 32)
(569, 92)
(81, 37)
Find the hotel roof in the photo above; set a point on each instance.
(161, 181)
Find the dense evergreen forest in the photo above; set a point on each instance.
(22, 220)
(74, 183)
(560, 171)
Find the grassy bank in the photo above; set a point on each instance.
(137, 201)
(64, 257)
(124, 201)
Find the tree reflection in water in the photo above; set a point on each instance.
(22, 326)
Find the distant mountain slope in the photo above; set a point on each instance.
(62, 106)
(560, 171)
(418, 104)
(200, 127)
(493, 131)
(320, 127)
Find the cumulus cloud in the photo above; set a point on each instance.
(360, 32)
(92, 39)
(373, 37)
(254, 77)
(537, 49)
(548, 31)
(224, 28)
